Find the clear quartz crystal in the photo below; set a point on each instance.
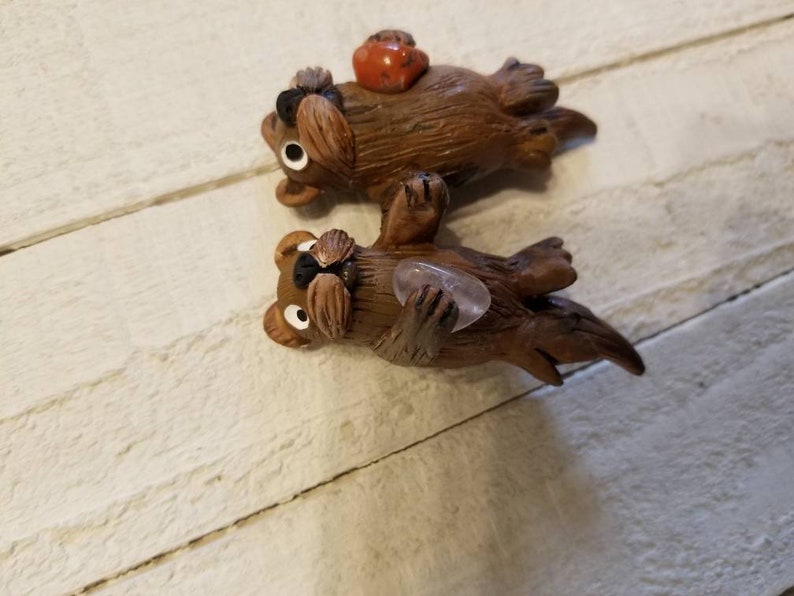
(468, 292)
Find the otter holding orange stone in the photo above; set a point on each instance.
(403, 116)
(416, 304)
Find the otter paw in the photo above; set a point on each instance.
(425, 323)
(432, 309)
(424, 190)
(412, 209)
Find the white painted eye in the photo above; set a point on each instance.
(294, 156)
(306, 246)
(296, 316)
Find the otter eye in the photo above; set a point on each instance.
(296, 316)
(307, 246)
(294, 156)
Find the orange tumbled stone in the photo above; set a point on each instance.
(388, 66)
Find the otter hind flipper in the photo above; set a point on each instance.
(522, 89)
(542, 268)
(537, 363)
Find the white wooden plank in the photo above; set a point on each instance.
(105, 108)
(678, 483)
(144, 407)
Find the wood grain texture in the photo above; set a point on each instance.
(143, 405)
(678, 483)
(105, 109)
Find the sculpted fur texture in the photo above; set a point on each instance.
(331, 289)
(441, 119)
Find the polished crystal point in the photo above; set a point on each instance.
(468, 292)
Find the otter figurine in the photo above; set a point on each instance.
(404, 116)
(330, 289)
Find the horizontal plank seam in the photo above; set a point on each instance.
(272, 166)
(674, 49)
(242, 521)
(170, 197)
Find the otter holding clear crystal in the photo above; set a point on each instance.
(330, 289)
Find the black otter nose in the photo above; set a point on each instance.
(306, 269)
(287, 104)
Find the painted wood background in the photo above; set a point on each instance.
(152, 440)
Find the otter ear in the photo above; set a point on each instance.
(280, 331)
(290, 243)
(326, 135)
(295, 194)
(269, 129)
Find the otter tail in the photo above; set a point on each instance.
(567, 125)
(561, 331)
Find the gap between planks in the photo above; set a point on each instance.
(272, 166)
(169, 197)
(242, 521)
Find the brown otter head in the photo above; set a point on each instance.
(311, 138)
(316, 277)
